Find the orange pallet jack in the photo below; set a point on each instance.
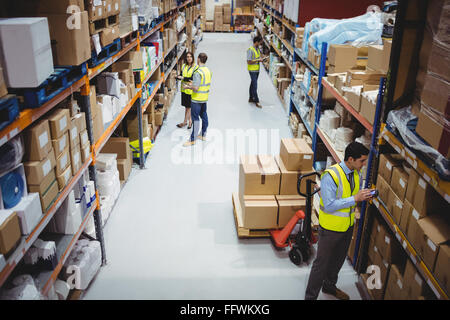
(302, 243)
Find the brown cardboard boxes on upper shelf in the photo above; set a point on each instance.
(258, 175)
(35, 171)
(431, 128)
(296, 154)
(386, 165)
(378, 56)
(341, 57)
(59, 122)
(37, 141)
(399, 180)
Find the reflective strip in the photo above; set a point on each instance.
(203, 91)
(337, 213)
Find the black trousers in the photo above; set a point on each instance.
(332, 250)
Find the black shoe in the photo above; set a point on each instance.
(337, 293)
(251, 100)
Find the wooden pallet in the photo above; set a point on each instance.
(241, 231)
(101, 24)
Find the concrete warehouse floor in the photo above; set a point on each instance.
(172, 234)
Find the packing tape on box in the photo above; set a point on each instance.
(12, 188)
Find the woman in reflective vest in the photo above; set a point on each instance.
(188, 68)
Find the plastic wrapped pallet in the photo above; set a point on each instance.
(23, 288)
(145, 12)
(85, 259)
(128, 16)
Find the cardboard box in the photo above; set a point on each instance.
(404, 218)
(433, 131)
(35, 171)
(60, 144)
(368, 105)
(395, 205)
(209, 26)
(413, 180)
(387, 163)
(75, 159)
(95, 12)
(357, 77)
(37, 141)
(59, 122)
(426, 200)
(119, 146)
(414, 284)
(259, 212)
(85, 152)
(289, 179)
(80, 121)
(383, 190)
(84, 139)
(64, 178)
(340, 82)
(70, 47)
(342, 57)
(159, 117)
(124, 167)
(108, 35)
(296, 154)
(74, 138)
(97, 127)
(62, 162)
(354, 99)
(26, 64)
(44, 184)
(438, 62)
(49, 197)
(442, 267)
(3, 89)
(435, 95)
(395, 287)
(9, 231)
(136, 59)
(258, 175)
(378, 57)
(389, 248)
(434, 231)
(288, 205)
(399, 182)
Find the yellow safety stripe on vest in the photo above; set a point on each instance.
(187, 73)
(256, 54)
(202, 95)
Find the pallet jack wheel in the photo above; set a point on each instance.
(296, 256)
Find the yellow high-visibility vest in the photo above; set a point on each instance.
(187, 73)
(203, 90)
(342, 219)
(257, 54)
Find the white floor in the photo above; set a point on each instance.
(171, 234)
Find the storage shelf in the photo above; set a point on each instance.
(274, 13)
(108, 132)
(27, 241)
(305, 61)
(28, 116)
(428, 174)
(311, 99)
(167, 73)
(337, 155)
(244, 14)
(305, 123)
(411, 252)
(147, 102)
(64, 246)
(152, 71)
(170, 50)
(346, 105)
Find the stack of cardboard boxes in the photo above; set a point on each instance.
(268, 194)
(433, 80)
(121, 147)
(226, 17)
(218, 18)
(419, 212)
(104, 20)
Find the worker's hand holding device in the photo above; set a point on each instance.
(365, 194)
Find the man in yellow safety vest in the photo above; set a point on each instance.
(253, 60)
(200, 92)
(340, 190)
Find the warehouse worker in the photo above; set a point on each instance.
(200, 88)
(340, 190)
(253, 60)
(187, 70)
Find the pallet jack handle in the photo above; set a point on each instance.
(309, 194)
(309, 182)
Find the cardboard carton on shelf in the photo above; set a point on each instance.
(426, 199)
(387, 163)
(37, 141)
(341, 57)
(84, 139)
(28, 62)
(80, 121)
(399, 180)
(395, 206)
(35, 171)
(59, 145)
(378, 56)
(431, 128)
(119, 146)
(395, 284)
(75, 159)
(258, 175)
(9, 231)
(259, 212)
(74, 138)
(405, 216)
(356, 77)
(414, 283)
(383, 189)
(124, 167)
(95, 10)
(64, 178)
(288, 206)
(59, 122)
(62, 162)
(70, 47)
(435, 95)
(85, 152)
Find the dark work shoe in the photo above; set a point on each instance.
(339, 294)
(251, 100)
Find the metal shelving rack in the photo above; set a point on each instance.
(27, 117)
